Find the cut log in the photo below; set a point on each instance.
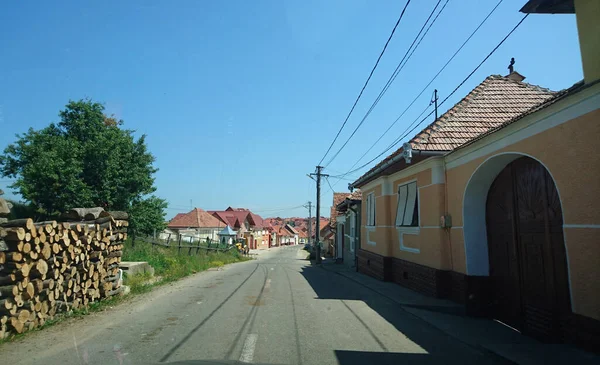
(28, 292)
(48, 283)
(33, 255)
(27, 236)
(114, 292)
(107, 219)
(40, 268)
(46, 251)
(38, 285)
(26, 247)
(23, 315)
(43, 238)
(9, 291)
(17, 325)
(3, 257)
(24, 223)
(56, 248)
(78, 214)
(14, 234)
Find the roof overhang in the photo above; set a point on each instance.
(549, 7)
(395, 164)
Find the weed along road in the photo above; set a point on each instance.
(277, 309)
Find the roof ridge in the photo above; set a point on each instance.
(460, 105)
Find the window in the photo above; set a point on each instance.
(407, 214)
(371, 209)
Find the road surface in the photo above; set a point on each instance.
(277, 309)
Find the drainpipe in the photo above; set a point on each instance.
(357, 242)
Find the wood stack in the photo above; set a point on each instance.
(51, 267)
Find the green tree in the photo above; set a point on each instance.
(87, 159)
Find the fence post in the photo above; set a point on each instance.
(208, 248)
(179, 248)
(168, 239)
(190, 248)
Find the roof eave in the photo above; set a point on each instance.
(379, 171)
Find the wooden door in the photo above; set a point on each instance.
(527, 256)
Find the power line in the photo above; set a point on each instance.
(405, 133)
(368, 79)
(392, 78)
(432, 80)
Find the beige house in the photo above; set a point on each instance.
(495, 204)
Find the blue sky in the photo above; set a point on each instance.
(240, 99)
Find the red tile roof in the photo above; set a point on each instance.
(497, 100)
(197, 218)
(235, 217)
(337, 199)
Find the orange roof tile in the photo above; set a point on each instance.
(497, 100)
(197, 218)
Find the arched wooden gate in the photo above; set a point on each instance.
(527, 257)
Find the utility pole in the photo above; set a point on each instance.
(435, 100)
(318, 215)
(309, 220)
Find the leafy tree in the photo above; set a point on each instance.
(87, 159)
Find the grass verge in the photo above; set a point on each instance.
(169, 266)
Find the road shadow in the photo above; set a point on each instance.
(440, 347)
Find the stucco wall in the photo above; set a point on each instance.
(570, 153)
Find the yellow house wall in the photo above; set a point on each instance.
(570, 153)
(588, 27)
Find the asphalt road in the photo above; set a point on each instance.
(277, 309)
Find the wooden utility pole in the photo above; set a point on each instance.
(309, 220)
(318, 174)
(435, 100)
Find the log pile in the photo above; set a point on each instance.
(51, 267)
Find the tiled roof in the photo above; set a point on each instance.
(235, 217)
(197, 218)
(337, 199)
(356, 195)
(497, 100)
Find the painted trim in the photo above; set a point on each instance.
(529, 126)
(438, 174)
(407, 230)
(458, 227)
(368, 232)
(485, 261)
(591, 226)
(430, 185)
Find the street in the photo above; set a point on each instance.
(277, 309)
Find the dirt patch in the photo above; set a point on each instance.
(254, 301)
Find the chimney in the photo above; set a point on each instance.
(588, 27)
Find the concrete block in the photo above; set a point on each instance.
(133, 268)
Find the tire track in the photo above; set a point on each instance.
(249, 322)
(195, 329)
(296, 333)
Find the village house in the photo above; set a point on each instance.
(348, 228)
(495, 204)
(249, 226)
(196, 225)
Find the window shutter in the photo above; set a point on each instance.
(402, 194)
(410, 204)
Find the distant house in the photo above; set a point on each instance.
(193, 226)
(348, 228)
(249, 226)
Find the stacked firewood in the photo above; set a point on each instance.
(51, 267)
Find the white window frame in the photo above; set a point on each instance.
(408, 203)
(371, 209)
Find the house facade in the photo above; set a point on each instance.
(494, 205)
(196, 225)
(348, 228)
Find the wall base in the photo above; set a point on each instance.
(474, 292)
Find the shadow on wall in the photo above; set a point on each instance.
(440, 347)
